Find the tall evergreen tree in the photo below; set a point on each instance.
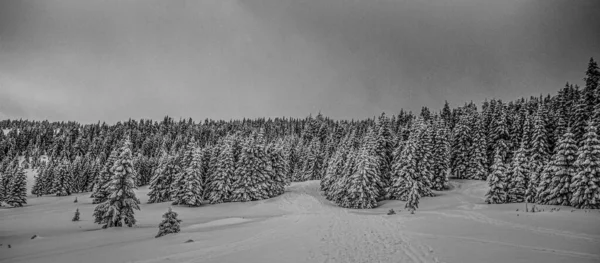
(311, 169)
(279, 168)
(441, 157)
(160, 186)
(118, 209)
(250, 175)
(585, 185)
(191, 191)
(460, 148)
(518, 177)
(103, 179)
(17, 192)
(219, 186)
(412, 200)
(363, 191)
(496, 181)
(63, 182)
(562, 171)
(477, 161)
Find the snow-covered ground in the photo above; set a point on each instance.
(301, 226)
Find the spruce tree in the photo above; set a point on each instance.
(17, 192)
(279, 169)
(3, 176)
(406, 169)
(38, 184)
(585, 185)
(311, 169)
(460, 148)
(190, 192)
(496, 181)
(117, 210)
(219, 186)
(251, 174)
(101, 191)
(76, 216)
(562, 170)
(412, 200)
(63, 182)
(169, 225)
(441, 158)
(538, 154)
(519, 176)
(477, 162)
(363, 191)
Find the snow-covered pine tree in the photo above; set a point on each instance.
(160, 185)
(17, 192)
(38, 183)
(336, 165)
(219, 185)
(191, 191)
(3, 188)
(406, 165)
(538, 154)
(585, 185)
(519, 177)
(251, 174)
(425, 154)
(385, 148)
(413, 196)
(476, 168)
(101, 193)
(311, 169)
(76, 216)
(562, 171)
(496, 181)
(460, 148)
(169, 225)
(63, 182)
(363, 191)
(441, 157)
(338, 192)
(178, 188)
(279, 168)
(117, 210)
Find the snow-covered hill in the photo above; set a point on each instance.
(301, 226)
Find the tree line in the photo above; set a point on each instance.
(543, 149)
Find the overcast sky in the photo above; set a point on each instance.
(222, 59)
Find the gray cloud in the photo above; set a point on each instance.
(111, 60)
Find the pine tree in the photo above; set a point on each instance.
(311, 169)
(538, 154)
(586, 182)
(101, 191)
(279, 168)
(38, 185)
(169, 225)
(496, 181)
(3, 176)
(441, 158)
(118, 208)
(63, 183)
(17, 192)
(76, 216)
(562, 170)
(460, 148)
(412, 200)
(477, 162)
(519, 175)
(190, 192)
(160, 185)
(406, 169)
(249, 183)
(219, 186)
(363, 191)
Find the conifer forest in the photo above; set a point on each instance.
(540, 151)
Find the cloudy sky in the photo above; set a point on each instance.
(222, 59)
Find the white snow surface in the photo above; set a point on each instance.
(301, 226)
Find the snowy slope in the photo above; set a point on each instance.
(301, 226)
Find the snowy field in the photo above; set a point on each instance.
(301, 226)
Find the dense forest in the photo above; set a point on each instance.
(543, 149)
